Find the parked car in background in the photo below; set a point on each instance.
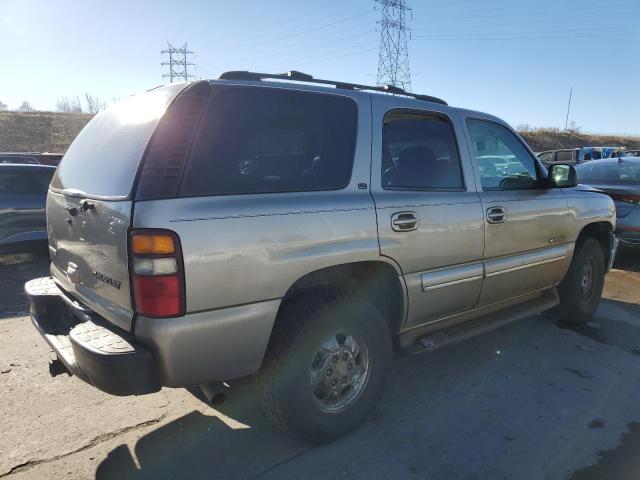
(620, 179)
(568, 156)
(627, 153)
(573, 156)
(44, 158)
(18, 159)
(201, 232)
(23, 195)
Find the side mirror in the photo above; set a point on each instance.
(562, 176)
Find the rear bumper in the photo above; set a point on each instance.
(198, 348)
(90, 348)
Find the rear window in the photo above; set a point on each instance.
(257, 140)
(19, 181)
(103, 159)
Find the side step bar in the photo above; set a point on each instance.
(465, 330)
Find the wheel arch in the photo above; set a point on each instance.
(601, 231)
(379, 280)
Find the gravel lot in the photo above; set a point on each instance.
(528, 401)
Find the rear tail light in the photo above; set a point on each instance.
(157, 273)
(626, 198)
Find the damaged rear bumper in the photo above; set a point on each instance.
(89, 347)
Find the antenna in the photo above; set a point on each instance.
(178, 64)
(393, 57)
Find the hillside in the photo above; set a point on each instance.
(548, 139)
(54, 131)
(39, 131)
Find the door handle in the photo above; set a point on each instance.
(496, 215)
(404, 221)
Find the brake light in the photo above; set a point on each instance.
(157, 273)
(626, 198)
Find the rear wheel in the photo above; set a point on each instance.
(326, 365)
(581, 289)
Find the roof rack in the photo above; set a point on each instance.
(304, 77)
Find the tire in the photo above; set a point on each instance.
(294, 359)
(581, 288)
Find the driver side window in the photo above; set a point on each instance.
(503, 161)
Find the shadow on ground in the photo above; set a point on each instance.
(628, 259)
(530, 400)
(236, 444)
(15, 270)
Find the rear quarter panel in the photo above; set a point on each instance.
(246, 249)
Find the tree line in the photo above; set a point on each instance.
(87, 104)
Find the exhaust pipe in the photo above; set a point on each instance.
(215, 393)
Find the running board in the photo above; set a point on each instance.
(465, 330)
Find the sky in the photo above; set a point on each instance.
(514, 59)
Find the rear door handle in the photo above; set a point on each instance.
(404, 221)
(496, 215)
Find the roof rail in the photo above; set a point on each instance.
(294, 75)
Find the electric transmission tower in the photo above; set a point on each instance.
(393, 58)
(178, 63)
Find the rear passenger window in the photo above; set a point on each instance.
(419, 152)
(258, 140)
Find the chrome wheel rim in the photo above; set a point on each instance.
(339, 372)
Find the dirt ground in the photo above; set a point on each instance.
(528, 401)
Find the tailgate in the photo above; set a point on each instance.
(89, 203)
(88, 245)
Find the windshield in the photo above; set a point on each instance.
(608, 172)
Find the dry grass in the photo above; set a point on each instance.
(549, 139)
(39, 131)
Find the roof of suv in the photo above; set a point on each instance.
(302, 81)
(296, 76)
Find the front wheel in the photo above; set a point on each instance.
(326, 365)
(581, 289)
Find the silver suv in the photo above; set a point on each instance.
(206, 231)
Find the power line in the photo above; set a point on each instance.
(305, 31)
(495, 22)
(508, 12)
(301, 28)
(519, 36)
(178, 63)
(393, 57)
(323, 46)
(322, 57)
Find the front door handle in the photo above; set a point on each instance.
(496, 215)
(404, 221)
